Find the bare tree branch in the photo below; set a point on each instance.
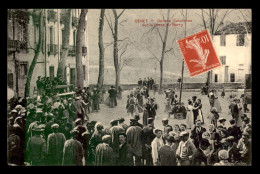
(120, 13)
(153, 54)
(203, 19)
(125, 20)
(110, 25)
(221, 21)
(159, 34)
(205, 12)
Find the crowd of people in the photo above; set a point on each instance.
(51, 130)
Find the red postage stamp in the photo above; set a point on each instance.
(198, 53)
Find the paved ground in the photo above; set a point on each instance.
(106, 114)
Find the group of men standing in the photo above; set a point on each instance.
(149, 83)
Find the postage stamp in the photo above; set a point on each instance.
(199, 53)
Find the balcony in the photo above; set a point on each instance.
(72, 51)
(52, 16)
(75, 21)
(14, 45)
(52, 49)
(84, 51)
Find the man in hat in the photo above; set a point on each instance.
(114, 131)
(166, 154)
(86, 137)
(49, 123)
(234, 131)
(104, 153)
(196, 133)
(36, 121)
(112, 97)
(96, 138)
(148, 137)
(14, 113)
(244, 146)
(223, 158)
(185, 150)
(134, 139)
(55, 144)
(199, 158)
(78, 108)
(222, 122)
(153, 108)
(95, 100)
(156, 144)
(73, 151)
(14, 148)
(234, 109)
(36, 148)
(140, 82)
(145, 82)
(79, 127)
(245, 123)
(122, 124)
(137, 118)
(125, 155)
(165, 122)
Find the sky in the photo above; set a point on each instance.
(133, 31)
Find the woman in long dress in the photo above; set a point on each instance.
(240, 113)
(216, 103)
(189, 117)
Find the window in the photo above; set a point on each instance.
(240, 40)
(23, 68)
(84, 71)
(51, 35)
(36, 34)
(74, 38)
(51, 68)
(10, 81)
(223, 60)
(222, 40)
(232, 77)
(216, 78)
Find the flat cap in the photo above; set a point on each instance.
(221, 119)
(55, 126)
(77, 120)
(223, 154)
(165, 119)
(106, 137)
(14, 111)
(156, 130)
(184, 133)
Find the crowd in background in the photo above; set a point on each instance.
(56, 130)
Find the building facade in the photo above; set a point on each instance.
(23, 34)
(233, 45)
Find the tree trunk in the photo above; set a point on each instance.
(117, 71)
(36, 55)
(79, 44)
(162, 58)
(65, 46)
(101, 49)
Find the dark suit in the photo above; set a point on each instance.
(198, 157)
(234, 110)
(125, 156)
(197, 135)
(235, 132)
(148, 137)
(78, 108)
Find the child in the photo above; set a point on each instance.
(167, 105)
